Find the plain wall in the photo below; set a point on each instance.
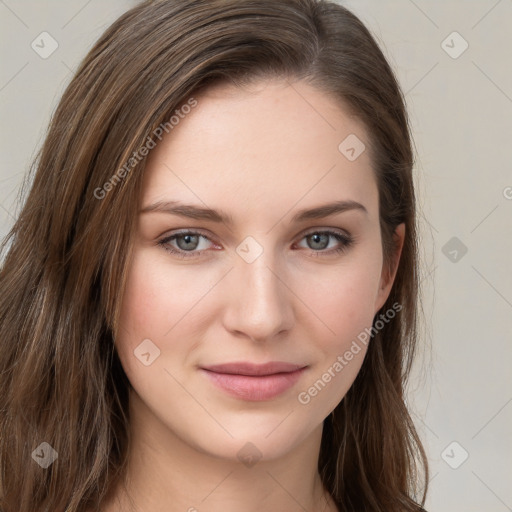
(461, 115)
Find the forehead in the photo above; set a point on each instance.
(275, 142)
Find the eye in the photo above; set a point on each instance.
(319, 241)
(186, 244)
(192, 244)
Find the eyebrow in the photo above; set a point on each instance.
(197, 212)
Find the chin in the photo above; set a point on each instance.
(263, 437)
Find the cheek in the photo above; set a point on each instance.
(342, 302)
(342, 297)
(167, 304)
(142, 301)
(156, 296)
(149, 309)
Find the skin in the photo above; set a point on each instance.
(260, 154)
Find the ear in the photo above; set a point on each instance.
(390, 268)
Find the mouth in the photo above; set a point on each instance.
(253, 382)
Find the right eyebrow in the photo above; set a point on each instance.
(189, 211)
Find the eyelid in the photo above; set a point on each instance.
(327, 229)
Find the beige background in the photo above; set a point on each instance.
(461, 113)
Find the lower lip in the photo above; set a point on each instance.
(255, 388)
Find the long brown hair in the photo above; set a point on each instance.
(66, 256)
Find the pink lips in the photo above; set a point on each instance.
(254, 382)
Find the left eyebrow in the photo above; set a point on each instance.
(328, 209)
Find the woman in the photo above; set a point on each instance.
(209, 298)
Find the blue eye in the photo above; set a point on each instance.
(319, 242)
(186, 243)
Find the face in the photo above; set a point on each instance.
(245, 304)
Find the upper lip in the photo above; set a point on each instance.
(246, 368)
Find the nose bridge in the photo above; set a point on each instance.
(260, 306)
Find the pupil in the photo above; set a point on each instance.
(316, 238)
(189, 239)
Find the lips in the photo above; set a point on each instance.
(254, 382)
(251, 369)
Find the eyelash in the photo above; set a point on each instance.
(345, 240)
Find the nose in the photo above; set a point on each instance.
(260, 304)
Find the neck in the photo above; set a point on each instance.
(166, 474)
